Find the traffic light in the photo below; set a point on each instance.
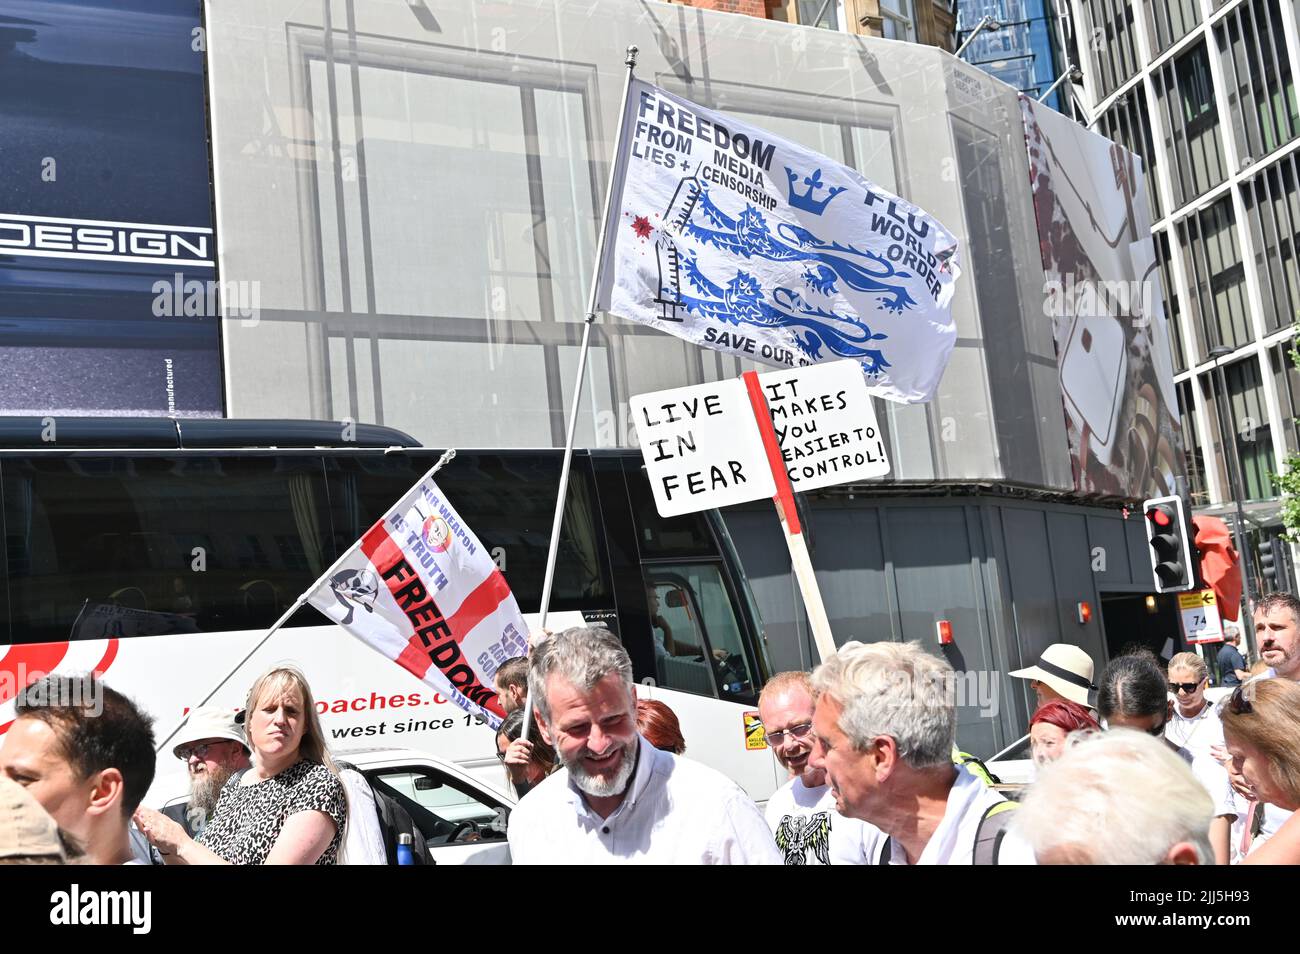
(1170, 535)
(1268, 562)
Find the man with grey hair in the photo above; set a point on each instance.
(1118, 798)
(617, 798)
(885, 724)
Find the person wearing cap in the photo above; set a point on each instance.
(1062, 672)
(213, 748)
(28, 835)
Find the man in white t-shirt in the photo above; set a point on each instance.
(801, 813)
(885, 724)
(617, 798)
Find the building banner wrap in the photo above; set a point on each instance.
(1104, 299)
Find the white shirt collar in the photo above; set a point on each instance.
(1206, 712)
(967, 790)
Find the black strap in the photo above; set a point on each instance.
(1073, 678)
(992, 829)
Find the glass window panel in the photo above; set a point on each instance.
(453, 197)
(1249, 420)
(507, 408)
(818, 13)
(570, 205)
(508, 500)
(1286, 382)
(1192, 141)
(101, 547)
(695, 631)
(1195, 455)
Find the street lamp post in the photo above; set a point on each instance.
(986, 23)
(1235, 482)
(1072, 73)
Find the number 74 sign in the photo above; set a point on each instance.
(1200, 613)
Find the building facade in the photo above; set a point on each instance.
(415, 196)
(1022, 52)
(1204, 92)
(930, 22)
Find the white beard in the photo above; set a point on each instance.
(603, 787)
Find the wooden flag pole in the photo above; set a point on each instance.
(597, 271)
(795, 539)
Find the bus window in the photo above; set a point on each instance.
(698, 636)
(696, 630)
(508, 500)
(126, 546)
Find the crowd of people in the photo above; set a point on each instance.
(1136, 766)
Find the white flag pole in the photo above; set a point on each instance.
(597, 270)
(795, 540)
(288, 614)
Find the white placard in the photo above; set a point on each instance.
(1200, 614)
(702, 448)
(825, 424)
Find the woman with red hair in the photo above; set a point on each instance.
(659, 726)
(1052, 724)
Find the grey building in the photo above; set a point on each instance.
(1204, 92)
(414, 191)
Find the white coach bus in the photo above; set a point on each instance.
(158, 551)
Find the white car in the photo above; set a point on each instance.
(1014, 765)
(462, 819)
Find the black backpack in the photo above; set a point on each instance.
(394, 820)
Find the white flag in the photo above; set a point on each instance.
(422, 590)
(741, 241)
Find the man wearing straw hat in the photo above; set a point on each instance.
(1062, 672)
(212, 746)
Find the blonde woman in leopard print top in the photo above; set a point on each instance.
(288, 809)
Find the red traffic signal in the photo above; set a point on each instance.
(1170, 536)
(1161, 516)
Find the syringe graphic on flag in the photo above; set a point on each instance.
(676, 216)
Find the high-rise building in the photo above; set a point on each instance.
(1204, 92)
(1019, 47)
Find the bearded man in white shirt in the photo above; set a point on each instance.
(618, 799)
(885, 724)
(801, 813)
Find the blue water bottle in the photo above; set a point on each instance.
(404, 854)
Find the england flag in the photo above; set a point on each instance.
(422, 590)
